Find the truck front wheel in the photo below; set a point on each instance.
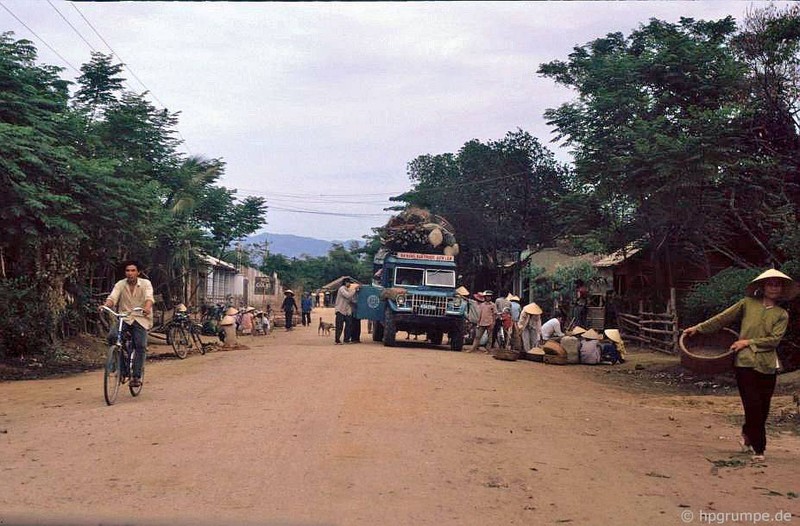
(389, 329)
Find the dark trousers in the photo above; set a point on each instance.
(498, 325)
(139, 337)
(289, 318)
(343, 324)
(756, 390)
(305, 318)
(355, 329)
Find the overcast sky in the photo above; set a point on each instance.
(318, 107)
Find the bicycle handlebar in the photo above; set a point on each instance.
(122, 314)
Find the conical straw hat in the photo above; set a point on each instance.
(532, 308)
(181, 308)
(462, 291)
(232, 311)
(577, 331)
(790, 287)
(613, 335)
(512, 297)
(227, 320)
(591, 334)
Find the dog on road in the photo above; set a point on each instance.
(324, 328)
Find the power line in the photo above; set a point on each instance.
(117, 55)
(70, 25)
(43, 41)
(125, 65)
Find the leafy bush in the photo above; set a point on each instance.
(25, 322)
(715, 295)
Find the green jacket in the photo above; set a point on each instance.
(764, 327)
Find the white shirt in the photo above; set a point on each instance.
(551, 328)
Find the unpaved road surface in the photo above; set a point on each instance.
(296, 430)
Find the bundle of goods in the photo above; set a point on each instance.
(708, 353)
(392, 293)
(508, 355)
(417, 230)
(536, 354)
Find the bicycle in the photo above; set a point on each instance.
(119, 361)
(183, 334)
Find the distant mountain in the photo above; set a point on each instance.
(296, 246)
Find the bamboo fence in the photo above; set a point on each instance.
(657, 330)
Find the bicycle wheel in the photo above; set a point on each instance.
(112, 376)
(197, 342)
(179, 338)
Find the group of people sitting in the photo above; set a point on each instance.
(506, 314)
(248, 321)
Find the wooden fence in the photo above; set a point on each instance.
(656, 330)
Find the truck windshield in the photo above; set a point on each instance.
(440, 278)
(404, 276)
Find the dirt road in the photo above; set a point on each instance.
(296, 430)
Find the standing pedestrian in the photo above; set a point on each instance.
(763, 324)
(289, 306)
(305, 309)
(344, 311)
(355, 321)
(486, 320)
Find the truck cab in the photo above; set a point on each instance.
(415, 293)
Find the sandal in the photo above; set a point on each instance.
(758, 458)
(744, 443)
(136, 382)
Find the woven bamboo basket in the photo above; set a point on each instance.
(508, 355)
(708, 353)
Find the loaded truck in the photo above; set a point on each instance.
(414, 290)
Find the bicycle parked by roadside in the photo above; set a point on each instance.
(184, 334)
(120, 359)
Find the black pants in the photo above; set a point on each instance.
(289, 320)
(355, 329)
(756, 390)
(343, 324)
(305, 318)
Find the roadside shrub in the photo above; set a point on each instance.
(715, 295)
(24, 321)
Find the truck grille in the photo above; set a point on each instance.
(428, 305)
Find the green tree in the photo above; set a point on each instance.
(656, 132)
(507, 197)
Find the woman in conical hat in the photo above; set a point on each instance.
(530, 323)
(590, 351)
(763, 324)
(577, 331)
(616, 337)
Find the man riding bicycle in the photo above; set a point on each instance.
(128, 294)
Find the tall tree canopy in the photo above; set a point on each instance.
(675, 140)
(96, 179)
(499, 196)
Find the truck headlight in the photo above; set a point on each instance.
(401, 300)
(456, 302)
